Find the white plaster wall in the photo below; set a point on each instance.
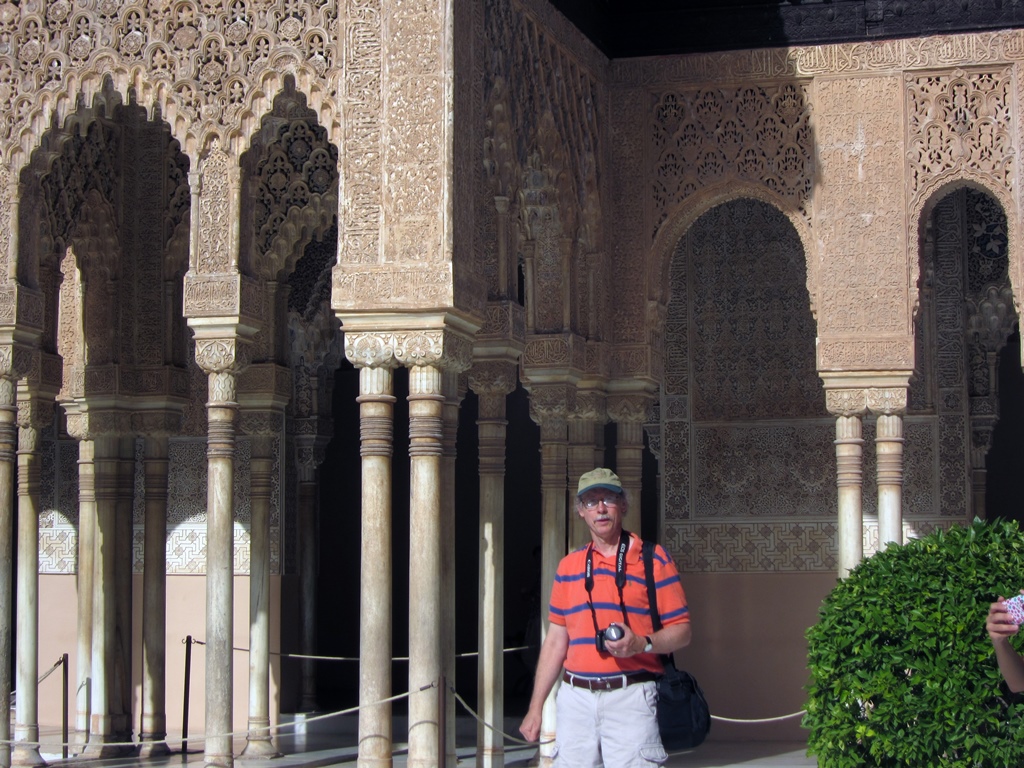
(186, 615)
(749, 653)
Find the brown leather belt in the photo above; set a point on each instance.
(612, 683)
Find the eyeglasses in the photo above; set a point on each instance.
(608, 501)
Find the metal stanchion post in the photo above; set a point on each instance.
(184, 713)
(64, 723)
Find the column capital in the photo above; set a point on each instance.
(224, 354)
(591, 405)
(16, 360)
(888, 401)
(551, 402)
(849, 393)
(259, 422)
(493, 377)
(846, 402)
(629, 408)
(443, 348)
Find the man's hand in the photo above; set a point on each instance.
(530, 727)
(999, 624)
(629, 644)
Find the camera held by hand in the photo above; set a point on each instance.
(611, 633)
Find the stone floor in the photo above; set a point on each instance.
(323, 745)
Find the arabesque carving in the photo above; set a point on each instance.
(959, 120)
(752, 132)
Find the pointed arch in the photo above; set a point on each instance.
(679, 221)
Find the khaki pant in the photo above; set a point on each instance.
(608, 729)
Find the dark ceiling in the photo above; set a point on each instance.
(626, 28)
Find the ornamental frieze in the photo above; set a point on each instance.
(398, 286)
(632, 360)
(555, 350)
(883, 56)
(865, 354)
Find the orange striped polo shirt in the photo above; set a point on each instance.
(570, 609)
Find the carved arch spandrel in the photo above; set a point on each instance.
(206, 74)
(679, 221)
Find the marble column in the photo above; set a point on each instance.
(376, 435)
(123, 560)
(106, 451)
(8, 447)
(849, 479)
(26, 725)
(306, 537)
(629, 413)
(258, 742)
(580, 459)
(221, 410)
(889, 456)
(86, 580)
(492, 382)
(454, 388)
(549, 407)
(426, 401)
(153, 730)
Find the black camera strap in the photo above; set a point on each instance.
(620, 577)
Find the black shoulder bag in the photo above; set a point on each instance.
(683, 716)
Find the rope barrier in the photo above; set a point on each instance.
(466, 655)
(720, 719)
(271, 729)
(279, 727)
(59, 662)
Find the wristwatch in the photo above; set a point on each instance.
(650, 644)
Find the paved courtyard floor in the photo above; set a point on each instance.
(336, 746)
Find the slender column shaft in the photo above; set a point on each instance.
(220, 455)
(425, 606)
(580, 458)
(629, 459)
(8, 439)
(849, 449)
(889, 451)
(258, 740)
(154, 599)
(104, 604)
(492, 429)
(86, 579)
(450, 428)
(376, 426)
(26, 726)
(307, 546)
(553, 457)
(122, 700)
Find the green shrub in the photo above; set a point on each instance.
(902, 670)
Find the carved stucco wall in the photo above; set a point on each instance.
(852, 144)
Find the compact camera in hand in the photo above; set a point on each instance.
(611, 633)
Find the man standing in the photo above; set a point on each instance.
(601, 642)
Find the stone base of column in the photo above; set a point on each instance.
(260, 747)
(153, 745)
(103, 747)
(26, 755)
